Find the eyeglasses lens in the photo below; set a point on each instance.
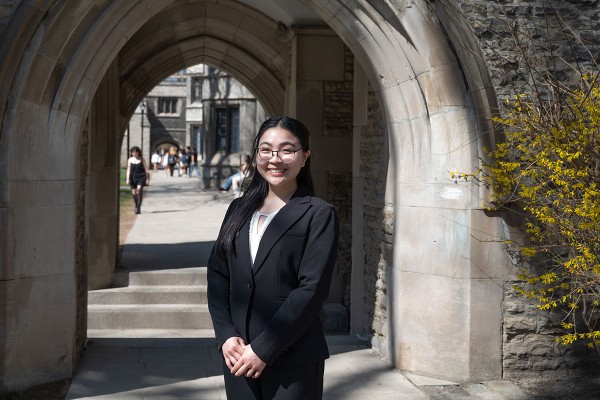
(265, 155)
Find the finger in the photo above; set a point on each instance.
(236, 367)
(241, 370)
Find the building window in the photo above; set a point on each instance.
(228, 129)
(196, 90)
(167, 105)
(196, 138)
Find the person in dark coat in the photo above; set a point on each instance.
(269, 273)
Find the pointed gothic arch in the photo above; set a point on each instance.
(74, 61)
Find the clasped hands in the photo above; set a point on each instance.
(241, 359)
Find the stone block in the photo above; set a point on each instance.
(38, 328)
(40, 234)
(433, 242)
(435, 341)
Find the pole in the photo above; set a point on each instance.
(143, 108)
(142, 130)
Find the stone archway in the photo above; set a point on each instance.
(70, 70)
(443, 294)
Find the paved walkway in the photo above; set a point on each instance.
(178, 224)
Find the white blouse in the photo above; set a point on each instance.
(256, 234)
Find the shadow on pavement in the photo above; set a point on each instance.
(135, 257)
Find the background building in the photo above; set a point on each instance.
(202, 107)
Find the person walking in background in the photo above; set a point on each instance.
(155, 160)
(165, 162)
(137, 176)
(183, 162)
(193, 161)
(173, 160)
(269, 273)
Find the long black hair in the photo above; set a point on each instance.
(258, 189)
(137, 149)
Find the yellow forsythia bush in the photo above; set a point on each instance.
(548, 168)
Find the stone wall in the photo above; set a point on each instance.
(529, 342)
(378, 221)
(529, 334)
(542, 28)
(337, 122)
(337, 101)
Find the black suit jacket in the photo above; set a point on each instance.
(275, 304)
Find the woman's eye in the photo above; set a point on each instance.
(265, 151)
(287, 151)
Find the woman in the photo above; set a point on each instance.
(269, 273)
(165, 162)
(137, 176)
(173, 160)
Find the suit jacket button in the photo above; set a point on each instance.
(250, 284)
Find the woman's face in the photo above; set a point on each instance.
(279, 174)
(134, 153)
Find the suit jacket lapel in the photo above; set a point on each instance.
(290, 213)
(243, 247)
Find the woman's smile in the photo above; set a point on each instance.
(276, 171)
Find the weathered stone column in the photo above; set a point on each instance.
(102, 191)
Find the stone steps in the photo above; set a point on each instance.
(176, 277)
(149, 301)
(149, 316)
(149, 295)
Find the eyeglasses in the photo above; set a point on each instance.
(264, 154)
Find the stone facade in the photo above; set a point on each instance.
(197, 92)
(337, 122)
(541, 29)
(377, 229)
(530, 346)
(220, 96)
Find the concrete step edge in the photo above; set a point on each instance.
(176, 271)
(146, 307)
(148, 295)
(150, 333)
(151, 288)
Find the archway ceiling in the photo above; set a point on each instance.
(242, 38)
(289, 12)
